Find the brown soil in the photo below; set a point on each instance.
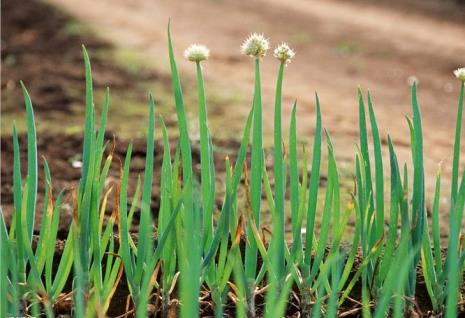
(61, 151)
(41, 45)
(420, 307)
(439, 10)
(37, 48)
(380, 45)
(334, 53)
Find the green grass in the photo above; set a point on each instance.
(193, 246)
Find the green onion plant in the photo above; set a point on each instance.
(194, 251)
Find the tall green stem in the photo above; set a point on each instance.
(456, 214)
(207, 182)
(280, 183)
(276, 249)
(456, 160)
(256, 176)
(313, 189)
(190, 262)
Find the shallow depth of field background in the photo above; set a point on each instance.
(380, 45)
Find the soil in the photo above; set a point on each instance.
(37, 49)
(62, 152)
(40, 47)
(35, 42)
(380, 45)
(420, 307)
(399, 45)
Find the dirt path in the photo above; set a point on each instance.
(339, 45)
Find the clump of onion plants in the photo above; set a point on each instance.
(196, 252)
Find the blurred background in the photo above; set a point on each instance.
(380, 45)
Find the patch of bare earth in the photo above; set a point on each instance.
(339, 45)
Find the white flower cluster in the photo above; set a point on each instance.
(460, 73)
(284, 53)
(197, 53)
(256, 45)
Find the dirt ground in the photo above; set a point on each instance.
(386, 46)
(382, 46)
(31, 47)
